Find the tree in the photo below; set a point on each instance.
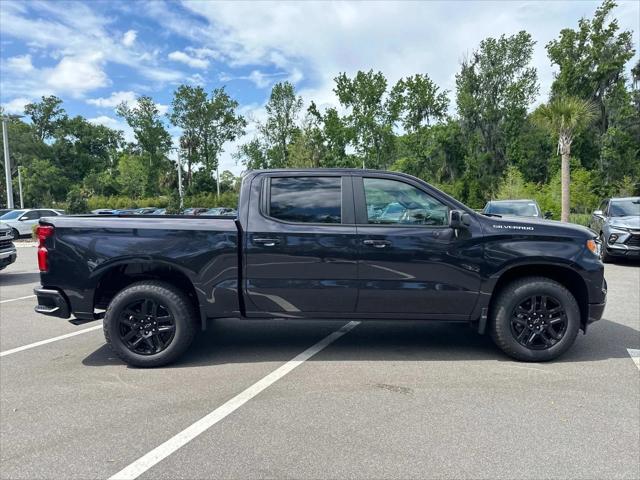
(188, 111)
(270, 148)
(591, 60)
(45, 115)
(152, 137)
(371, 117)
(563, 117)
(493, 91)
(132, 175)
(420, 102)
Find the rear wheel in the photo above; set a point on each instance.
(535, 319)
(149, 324)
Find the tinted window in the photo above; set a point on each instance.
(306, 199)
(47, 213)
(394, 202)
(33, 215)
(522, 209)
(625, 208)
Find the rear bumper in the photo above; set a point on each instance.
(52, 302)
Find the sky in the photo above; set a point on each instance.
(96, 54)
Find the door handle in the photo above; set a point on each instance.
(376, 243)
(267, 242)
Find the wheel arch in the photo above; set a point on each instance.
(114, 278)
(564, 275)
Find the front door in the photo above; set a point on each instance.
(300, 247)
(411, 263)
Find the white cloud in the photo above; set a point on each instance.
(193, 62)
(113, 100)
(16, 106)
(20, 64)
(129, 38)
(162, 108)
(77, 74)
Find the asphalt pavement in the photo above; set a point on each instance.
(384, 400)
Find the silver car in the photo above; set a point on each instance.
(7, 248)
(617, 222)
(22, 221)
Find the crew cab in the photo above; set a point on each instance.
(322, 243)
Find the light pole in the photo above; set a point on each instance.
(7, 163)
(20, 186)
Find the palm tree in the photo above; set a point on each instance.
(564, 117)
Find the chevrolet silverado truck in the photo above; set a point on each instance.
(322, 244)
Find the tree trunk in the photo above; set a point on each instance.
(565, 180)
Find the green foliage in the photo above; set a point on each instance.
(76, 201)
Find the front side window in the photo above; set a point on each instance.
(306, 199)
(395, 202)
(33, 215)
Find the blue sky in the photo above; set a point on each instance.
(95, 54)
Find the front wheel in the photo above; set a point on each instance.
(604, 256)
(535, 319)
(149, 324)
(15, 233)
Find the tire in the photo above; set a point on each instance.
(171, 303)
(604, 256)
(15, 233)
(508, 332)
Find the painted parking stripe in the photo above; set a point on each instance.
(635, 356)
(48, 340)
(176, 442)
(16, 299)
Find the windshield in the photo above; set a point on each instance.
(12, 215)
(520, 209)
(620, 208)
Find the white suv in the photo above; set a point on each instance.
(22, 221)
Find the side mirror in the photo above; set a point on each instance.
(598, 213)
(548, 215)
(459, 219)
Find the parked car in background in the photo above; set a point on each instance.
(102, 211)
(22, 221)
(194, 211)
(8, 253)
(160, 211)
(617, 222)
(125, 211)
(222, 211)
(145, 210)
(514, 208)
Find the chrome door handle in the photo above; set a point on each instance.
(376, 243)
(267, 242)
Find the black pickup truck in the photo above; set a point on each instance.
(334, 244)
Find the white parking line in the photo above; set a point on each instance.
(49, 340)
(16, 299)
(176, 442)
(635, 356)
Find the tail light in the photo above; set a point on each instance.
(43, 232)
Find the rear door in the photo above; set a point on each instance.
(300, 247)
(412, 263)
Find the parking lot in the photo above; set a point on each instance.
(384, 400)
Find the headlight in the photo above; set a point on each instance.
(613, 237)
(594, 247)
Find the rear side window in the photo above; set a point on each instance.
(306, 199)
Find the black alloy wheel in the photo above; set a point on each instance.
(539, 322)
(146, 327)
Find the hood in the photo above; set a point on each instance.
(532, 225)
(631, 221)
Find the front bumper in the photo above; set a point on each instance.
(7, 257)
(52, 302)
